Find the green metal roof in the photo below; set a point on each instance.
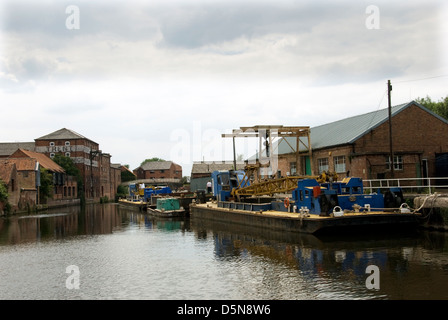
(346, 131)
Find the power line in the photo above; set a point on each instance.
(377, 109)
(445, 75)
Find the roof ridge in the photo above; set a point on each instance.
(74, 132)
(346, 130)
(399, 106)
(43, 159)
(54, 135)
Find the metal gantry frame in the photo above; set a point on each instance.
(268, 157)
(270, 132)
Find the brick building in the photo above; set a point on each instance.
(28, 166)
(28, 181)
(159, 170)
(8, 148)
(360, 145)
(201, 172)
(8, 174)
(99, 177)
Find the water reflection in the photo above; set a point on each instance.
(139, 219)
(336, 267)
(121, 253)
(58, 224)
(66, 222)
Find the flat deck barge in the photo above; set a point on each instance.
(140, 205)
(297, 222)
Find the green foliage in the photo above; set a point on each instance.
(439, 107)
(151, 160)
(122, 192)
(3, 192)
(184, 180)
(127, 176)
(121, 189)
(67, 163)
(4, 197)
(46, 185)
(70, 169)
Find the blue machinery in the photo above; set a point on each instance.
(223, 182)
(308, 195)
(140, 192)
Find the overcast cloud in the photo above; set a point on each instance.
(165, 78)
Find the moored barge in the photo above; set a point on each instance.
(167, 208)
(314, 207)
(306, 223)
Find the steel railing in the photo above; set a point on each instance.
(409, 185)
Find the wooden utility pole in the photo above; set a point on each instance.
(234, 154)
(389, 89)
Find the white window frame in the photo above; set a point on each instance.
(293, 168)
(322, 164)
(398, 162)
(339, 164)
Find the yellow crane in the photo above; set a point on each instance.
(274, 185)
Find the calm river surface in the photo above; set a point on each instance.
(111, 252)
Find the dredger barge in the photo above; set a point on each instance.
(307, 203)
(315, 205)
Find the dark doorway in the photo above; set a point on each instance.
(442, 168)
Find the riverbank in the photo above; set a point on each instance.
(434, 209)
(51, 204)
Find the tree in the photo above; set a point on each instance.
(4, 195)
(3, 192)
(151, 160)
(46, 185)
(185, 180)
(439, 107)
(127, 176)
(122, 192)
(70, 169)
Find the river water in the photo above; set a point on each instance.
(106, 251)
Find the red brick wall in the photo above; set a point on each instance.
(79, 152)
(174, 172)
(416, 135)
(331, 153)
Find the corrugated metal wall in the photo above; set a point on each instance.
(199, 183)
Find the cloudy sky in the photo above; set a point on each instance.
(165, 78)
